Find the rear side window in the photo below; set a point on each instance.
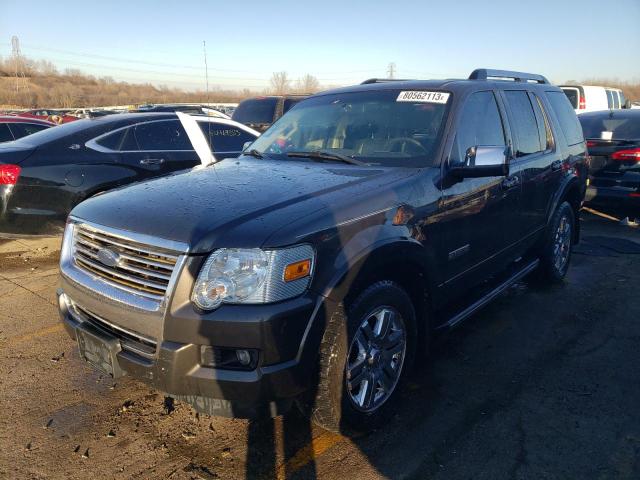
(225, 138)
(165, 136)
(480, 125)
(526, 126)
(121, 140)
(23, 129)
(5, 133)
(566, 117)
(616, 99)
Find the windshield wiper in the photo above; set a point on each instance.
(253, 153)
(320, 155)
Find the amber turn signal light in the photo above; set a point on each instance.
(297, 270)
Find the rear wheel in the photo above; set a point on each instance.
(556, 253)
(364, 357)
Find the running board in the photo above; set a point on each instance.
(478, 304)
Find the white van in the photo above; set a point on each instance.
(588, 98)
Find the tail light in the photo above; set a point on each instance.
(582, 104)
(591, 143)
(9, 174)
(632, 154)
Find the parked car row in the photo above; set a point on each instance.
(43, 176)
(313, 267)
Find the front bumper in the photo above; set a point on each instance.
(175, 367)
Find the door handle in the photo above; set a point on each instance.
(510, 182)
(556, 165)
(152, 161)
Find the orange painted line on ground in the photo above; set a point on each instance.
(38, 333)
(306, 454)
(600, 214)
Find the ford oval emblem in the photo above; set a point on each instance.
(108, 257)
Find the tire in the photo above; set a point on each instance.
(556, 251)
(372, 357)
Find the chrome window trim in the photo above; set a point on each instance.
(93, 145)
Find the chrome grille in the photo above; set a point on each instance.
(138, 268)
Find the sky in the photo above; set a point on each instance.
(339, 42)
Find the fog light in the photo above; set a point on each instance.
(244, 357)
(228, 358)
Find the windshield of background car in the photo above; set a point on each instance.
(259, 110)
(56, 133)
(624, 126)
(379, 127)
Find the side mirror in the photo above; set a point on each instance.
(246, 145)
(482, 162)
(627, 104)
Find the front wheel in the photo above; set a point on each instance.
(364, 357)
(556, 253)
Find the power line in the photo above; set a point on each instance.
(170, 65)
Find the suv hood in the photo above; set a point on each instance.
(234, 203)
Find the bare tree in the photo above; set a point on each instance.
(307, 84)
(280, 83)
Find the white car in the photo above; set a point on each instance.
(591, 98)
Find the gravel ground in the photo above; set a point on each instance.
(544, 383)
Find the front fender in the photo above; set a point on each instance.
(371, 251)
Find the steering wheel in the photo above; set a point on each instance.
(404, 141)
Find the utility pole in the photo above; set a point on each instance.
(15, 52)
(391, 70)
(206, 68)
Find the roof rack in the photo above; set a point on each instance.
(487, 73)
(383, 80)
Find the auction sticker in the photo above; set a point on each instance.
(423, 96)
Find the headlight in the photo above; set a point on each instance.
(234, 275)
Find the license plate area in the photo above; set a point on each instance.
(99, 350)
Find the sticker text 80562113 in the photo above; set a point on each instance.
(423, 96)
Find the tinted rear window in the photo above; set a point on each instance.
(566, 116)
(572, 95)
(258, 110)
(623, 127)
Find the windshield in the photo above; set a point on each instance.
(624, 126)
(381, 127)
(258, 110)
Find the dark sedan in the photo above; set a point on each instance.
(13, 127)
(43, 176)
(613, 139)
